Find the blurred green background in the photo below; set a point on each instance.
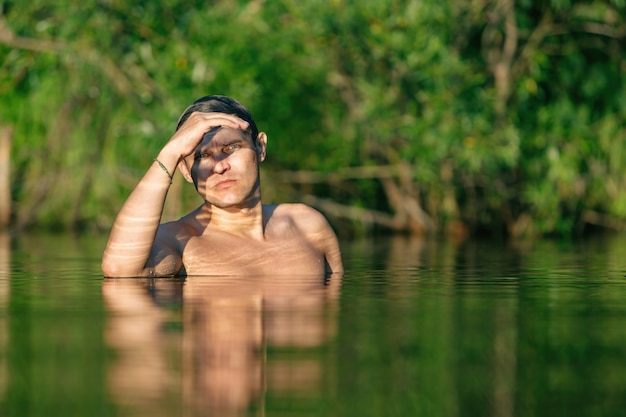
(494, 117)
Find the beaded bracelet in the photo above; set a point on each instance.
(164, 169)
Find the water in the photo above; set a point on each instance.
(415, 328)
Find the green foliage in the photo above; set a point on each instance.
(511, 114)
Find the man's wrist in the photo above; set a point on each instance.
(167, 162)
(164, 168)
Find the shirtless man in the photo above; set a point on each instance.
(218, 148)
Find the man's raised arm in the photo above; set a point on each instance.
(134, 230)
(131, 246)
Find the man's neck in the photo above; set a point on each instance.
(242, 221)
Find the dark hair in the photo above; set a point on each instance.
(221, 104)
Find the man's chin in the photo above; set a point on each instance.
(227, 203)
(222, 204)
(233, 200)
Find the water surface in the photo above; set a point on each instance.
(414, 328)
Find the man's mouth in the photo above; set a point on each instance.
(224, 184)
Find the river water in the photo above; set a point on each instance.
(415, 328)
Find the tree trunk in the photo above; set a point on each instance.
(6, 135)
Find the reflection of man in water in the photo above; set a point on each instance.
(201, 345)
(218, 148)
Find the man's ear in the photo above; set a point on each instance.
(261, 145)
(184, 169)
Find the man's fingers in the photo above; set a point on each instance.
(192, 132)
(220, 119)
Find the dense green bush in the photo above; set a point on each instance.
(483, 116)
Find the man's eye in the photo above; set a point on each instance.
(232, 147)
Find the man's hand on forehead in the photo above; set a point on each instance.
(213, 120)
(192, 132)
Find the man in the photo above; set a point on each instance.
(218, 148)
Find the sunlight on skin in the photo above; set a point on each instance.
(227, 324)
(229, 258)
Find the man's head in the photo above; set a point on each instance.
(225, 165)
(221, 104)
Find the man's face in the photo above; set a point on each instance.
(225, 168)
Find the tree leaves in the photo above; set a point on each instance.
(475, 97)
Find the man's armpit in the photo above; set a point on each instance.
(163, 262)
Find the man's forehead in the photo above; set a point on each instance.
(221, 135)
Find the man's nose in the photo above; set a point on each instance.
(221, 164)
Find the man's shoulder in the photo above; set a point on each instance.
(292, 210)
(301, 215)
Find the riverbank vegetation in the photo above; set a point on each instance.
(468, 116)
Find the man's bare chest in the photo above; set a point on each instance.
(239, 256)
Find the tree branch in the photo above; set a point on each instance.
(122, 83)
